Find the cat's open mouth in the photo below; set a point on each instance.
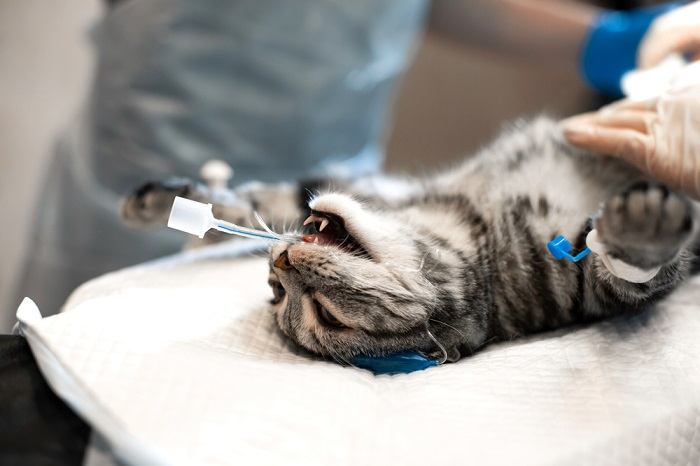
(329, 229)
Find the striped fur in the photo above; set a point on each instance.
(463, 253)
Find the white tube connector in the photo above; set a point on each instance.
(191, 217)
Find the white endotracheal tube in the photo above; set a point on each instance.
(196, 218)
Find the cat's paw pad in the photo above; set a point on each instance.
(150, 204)
(646, 223)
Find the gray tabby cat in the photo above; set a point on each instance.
(462, 255)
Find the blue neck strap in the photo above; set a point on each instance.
(403, 362)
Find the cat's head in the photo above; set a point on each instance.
(370, 281)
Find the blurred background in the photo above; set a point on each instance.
(452, 100)
(47, 64)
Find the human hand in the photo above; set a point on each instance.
(661, 137)
(675, 32)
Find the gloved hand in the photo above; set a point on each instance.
(675, 32)
(660, 137)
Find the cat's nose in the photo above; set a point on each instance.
(282, 262)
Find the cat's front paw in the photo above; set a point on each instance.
(150, 204)
(646, 225)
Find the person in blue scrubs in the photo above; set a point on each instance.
(278, 89)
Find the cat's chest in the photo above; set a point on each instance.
(574, 185)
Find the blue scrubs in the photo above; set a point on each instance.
(278, 89)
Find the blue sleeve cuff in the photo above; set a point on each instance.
(610, 49)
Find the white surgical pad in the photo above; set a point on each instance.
(180, 362)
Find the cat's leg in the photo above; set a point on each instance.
(148, 206)
(644, 227)
(282, 206)
(279, 204)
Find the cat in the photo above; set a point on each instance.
(390, 264)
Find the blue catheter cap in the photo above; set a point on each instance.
(610, 50)
(560, 248)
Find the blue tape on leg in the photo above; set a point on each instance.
(403, 362)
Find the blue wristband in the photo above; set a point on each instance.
(610, 49)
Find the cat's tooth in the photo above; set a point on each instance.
(310, 219)
(316, 240)
(324, 223)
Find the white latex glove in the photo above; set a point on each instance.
(675, 32)
(660, 137)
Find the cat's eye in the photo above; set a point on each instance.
(326, 317)
(278, 291)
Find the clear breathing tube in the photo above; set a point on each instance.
(196, 218)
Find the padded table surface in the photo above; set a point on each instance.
(179, 362)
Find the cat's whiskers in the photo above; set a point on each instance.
(334, 356)
(340, 359)
(291, 226)
(449, 326)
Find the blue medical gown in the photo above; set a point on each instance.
(279, 89)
